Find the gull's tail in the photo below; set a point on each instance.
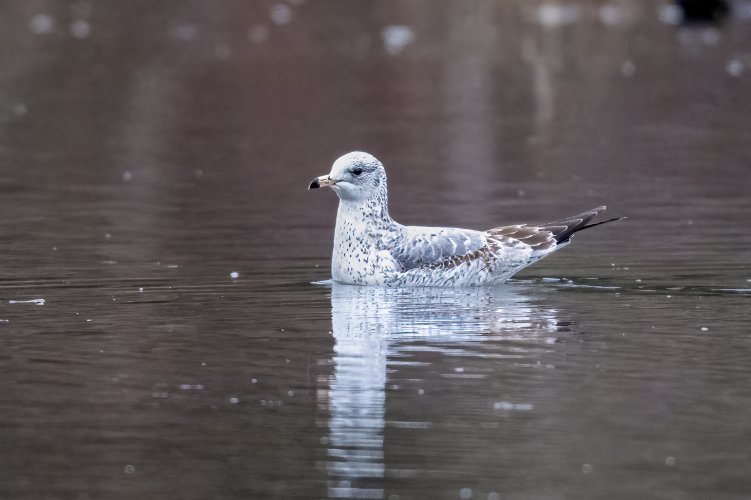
(564, 229)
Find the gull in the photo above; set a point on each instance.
(370, 248)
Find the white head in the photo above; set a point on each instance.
(355, 177)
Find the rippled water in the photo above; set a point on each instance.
(147, 152)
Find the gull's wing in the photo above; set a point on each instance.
(426, 246)
(545, 238)
(519, 245)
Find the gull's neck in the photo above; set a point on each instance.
(373, 212)
(364, 235)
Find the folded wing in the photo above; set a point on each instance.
(430, 246)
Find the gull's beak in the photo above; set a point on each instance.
(322, 181)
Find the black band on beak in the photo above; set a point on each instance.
(315, 184)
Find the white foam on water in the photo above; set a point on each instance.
(39, 302)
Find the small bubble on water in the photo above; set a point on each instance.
(129, 469)
(465, 493)
(704, 328)
(670, 14)
(254, 381)
(258, 33)
(710, 36)
(89, 320)
(420, 392)
(222, 52)
(234, 401)
(20, 109)
(140, 289)
(281, 14)
(459, 369)
(586, 468)
(324, 440)
(80, 29)
(127, 176)
(670, 461)
(290, 393)
(41, 24)
(396, 38)
(507, 405)
(628, 68)
(184, 33)
(734, 67)
(234, 275)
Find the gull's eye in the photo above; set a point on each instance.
(357, 171)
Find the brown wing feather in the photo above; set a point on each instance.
(553, 233)
(536, 237)
(485, 253)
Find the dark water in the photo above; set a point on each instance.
(148, 151)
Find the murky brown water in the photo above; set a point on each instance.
(147, 152)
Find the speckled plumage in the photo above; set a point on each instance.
(370, 248)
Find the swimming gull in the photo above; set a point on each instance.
(370, 248)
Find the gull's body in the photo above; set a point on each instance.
(370, 248)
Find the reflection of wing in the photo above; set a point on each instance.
(382, 316)
(426, 246)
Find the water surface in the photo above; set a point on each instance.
(149, 151)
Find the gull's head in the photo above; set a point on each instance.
(355, 176)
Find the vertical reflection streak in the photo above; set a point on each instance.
(372, 325)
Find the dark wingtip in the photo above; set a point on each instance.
(564, 229)
(315, 184)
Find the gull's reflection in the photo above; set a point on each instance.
(374, 326)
